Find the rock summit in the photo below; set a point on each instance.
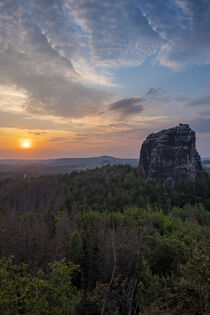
(170, 154)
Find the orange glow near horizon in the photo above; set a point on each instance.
(50, 143)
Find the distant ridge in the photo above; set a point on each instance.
(100, 160)
(73, 161)
(89, 161)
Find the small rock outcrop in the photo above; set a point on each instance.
(170, 154)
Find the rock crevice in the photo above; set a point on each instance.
(170, 153)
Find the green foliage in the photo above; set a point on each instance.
(75, 251)
(114, 188)
(47, 293)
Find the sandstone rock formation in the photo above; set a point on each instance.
(170, 154)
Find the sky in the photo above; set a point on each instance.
(85, 78)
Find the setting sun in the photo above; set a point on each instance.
(26, 144)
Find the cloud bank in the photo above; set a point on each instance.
(59, 52)
(30, 63)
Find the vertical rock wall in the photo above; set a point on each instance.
(170, 153)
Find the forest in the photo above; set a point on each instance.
(104, 241)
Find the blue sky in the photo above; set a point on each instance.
(90, 77)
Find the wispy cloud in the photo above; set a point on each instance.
(127, 106)
(203, 100)
(187, 34)
(56, 139)
(32, 63)
(37, 133)
(116, 32)
(153, 92)
(122, 32)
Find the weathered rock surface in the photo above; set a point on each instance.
(171, 154)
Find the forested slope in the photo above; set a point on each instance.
(130, 246)
(107, 188)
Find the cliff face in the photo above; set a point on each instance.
(170, 153)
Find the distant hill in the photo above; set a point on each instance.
(90, 161)
(22, 167)
(57, 166)
(205, 160)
